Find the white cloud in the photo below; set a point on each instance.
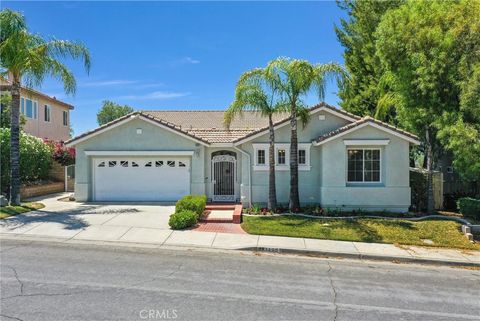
(156, 95)
(107, 83)
(189, 60)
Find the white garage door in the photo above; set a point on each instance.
(141, 178)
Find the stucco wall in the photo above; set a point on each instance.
(309, 181)
(392, 193)
(125, 138)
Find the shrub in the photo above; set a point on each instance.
(35, 158)
(62, 154)
(194, 203)
(182, 219)
(469, 207)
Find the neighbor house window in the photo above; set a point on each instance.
(363, 165)
(65, 118)
(302, 156)
(28, 107)
(261, 157)
(46, 112)
(281, 156)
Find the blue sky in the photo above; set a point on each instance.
(179, 55)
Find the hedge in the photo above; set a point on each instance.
(194, 203)
(35, 158)
(469, 207)
(182, 219)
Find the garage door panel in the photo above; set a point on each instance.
(141, 179)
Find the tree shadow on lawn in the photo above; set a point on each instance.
(70, 218)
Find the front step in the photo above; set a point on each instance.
(234, 217)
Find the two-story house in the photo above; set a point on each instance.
(47, 117)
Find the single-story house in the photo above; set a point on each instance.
(345, 161)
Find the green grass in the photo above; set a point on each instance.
(7, 211)
(442, 233)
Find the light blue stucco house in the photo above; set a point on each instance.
(345, 161)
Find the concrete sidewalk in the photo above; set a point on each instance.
(153, 237)
(146, 226)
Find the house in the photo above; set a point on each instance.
(47, 117)
(345, 161)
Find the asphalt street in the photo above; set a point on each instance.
(43, 281)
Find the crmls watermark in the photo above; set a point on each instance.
(152, 314)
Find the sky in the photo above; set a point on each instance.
(178, 55)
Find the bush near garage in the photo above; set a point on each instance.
(194, 203)
(35, 158)
(62, 154)
(469, 207)
(182, 219)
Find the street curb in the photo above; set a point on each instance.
(385, 258)
(270, 250)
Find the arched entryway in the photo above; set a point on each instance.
(224, 175)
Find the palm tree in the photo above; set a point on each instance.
(255, 92)
(295, 79)
(29, 58)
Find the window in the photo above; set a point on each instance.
(112, 163)
(148, 164)
(134, 164)
(171, 163)
(124, 163)
(46, 113)
(281, 156)
(28, 107)
(65, 118)
(302, 156)
(261, 157)
(181, 164)
(102, 164)
(158, 163)
(363, 165)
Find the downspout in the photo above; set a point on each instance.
(249, 174)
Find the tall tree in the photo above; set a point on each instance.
(294, 80)
(362, 90)
(430, 52)
(256, 92)
(111, 111)
(28, 58)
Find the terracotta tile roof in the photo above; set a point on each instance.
(207, 125)
(359, 122)
(213, 119)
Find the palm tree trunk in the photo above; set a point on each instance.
(430, 200)
(15, 144)
(272, 190)
(294, 198)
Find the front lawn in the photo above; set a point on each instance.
(442, 233)
(6, 211)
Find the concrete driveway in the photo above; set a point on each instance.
(98, 221)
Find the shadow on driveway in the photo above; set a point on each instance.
(71, 219)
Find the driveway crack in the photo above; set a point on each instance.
(10, 317)
(17, 278)
(334, 290)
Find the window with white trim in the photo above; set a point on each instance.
(261, 157)
(302, 157)
(281, 156)
(28, 107)
(363, 165)
(65, 118)
(46, 113)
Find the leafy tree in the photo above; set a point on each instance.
(295, 79)
(361, 91)
(430, 52)
(255, 91)
(29, 58)
(111, 111)
(5, 116)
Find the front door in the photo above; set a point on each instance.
(223, 169)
